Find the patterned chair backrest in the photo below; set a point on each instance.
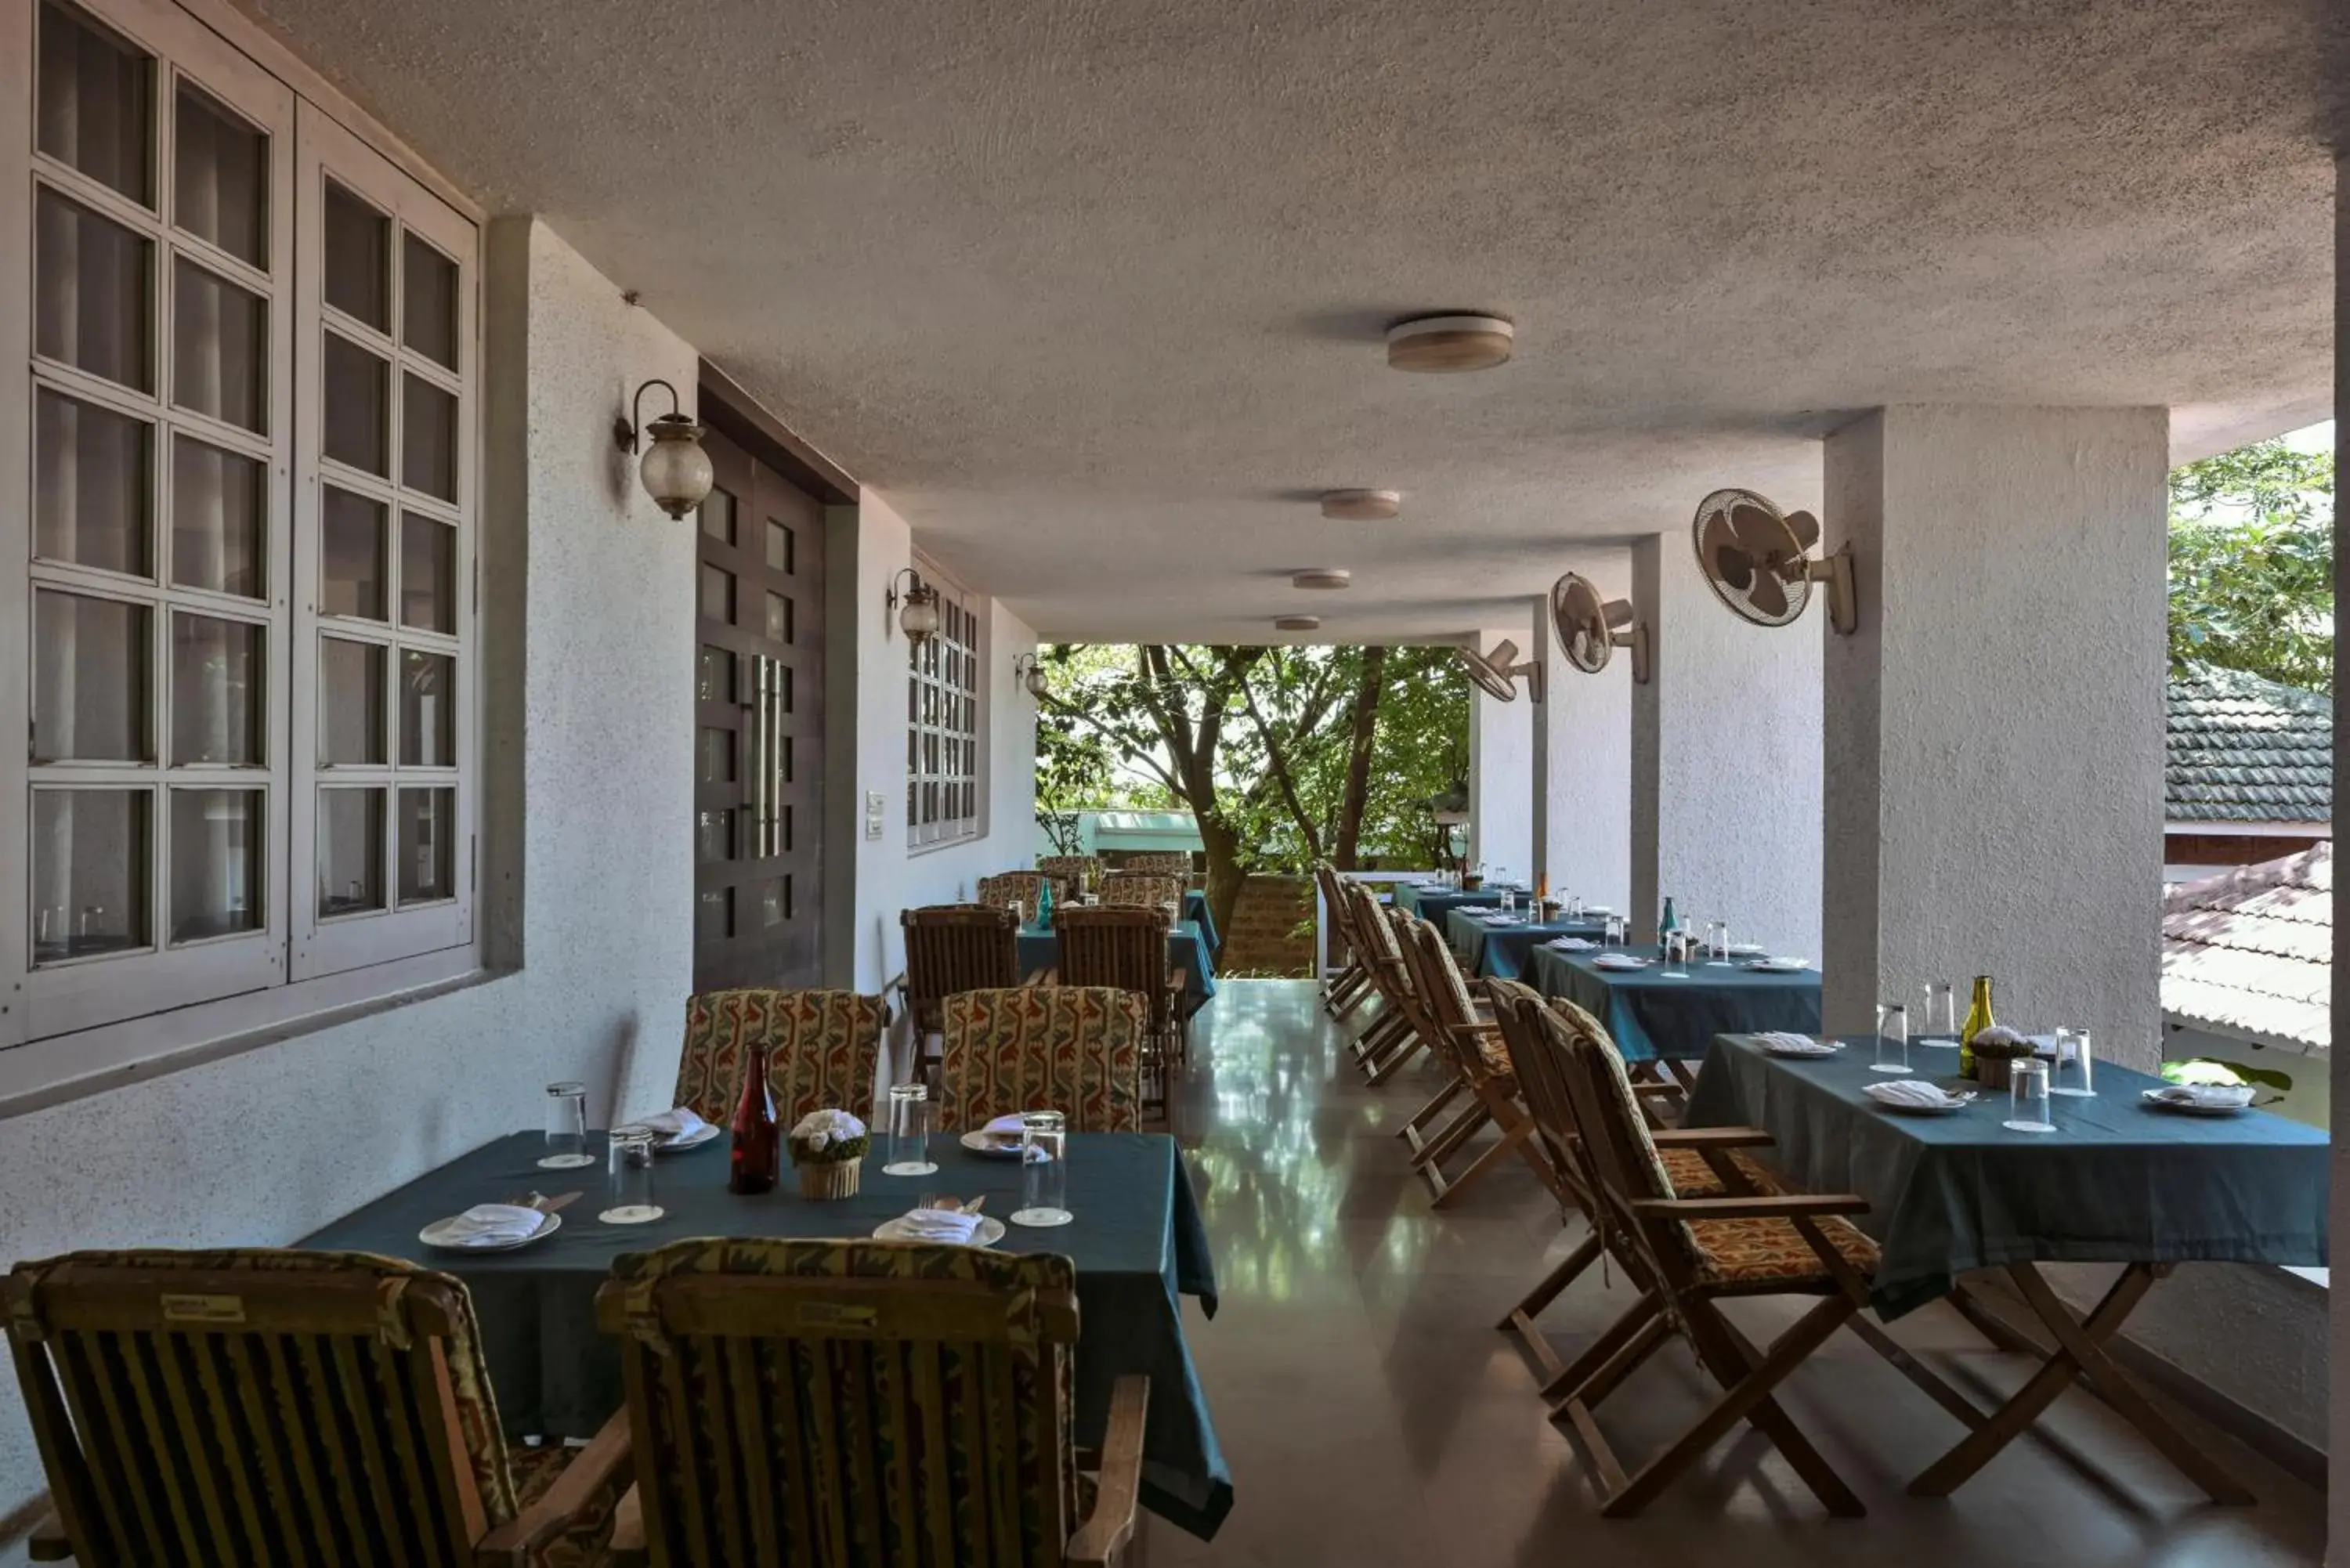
(951, 947)
(857, 1403)
(1607, 1114)
(1448, 992)
(1430, 1005)
(823, 1049)
(1125, 949)
(1005, 886)
(1069, 874)
(1374, 923)
(1130, 887)
(1541, 1072)
(1173, 862)
(258, 1405)
(1073, 1049)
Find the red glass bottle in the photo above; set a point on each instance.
(758, 1145)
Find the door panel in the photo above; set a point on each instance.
(758, 759)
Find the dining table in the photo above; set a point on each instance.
(1432, 902)
(1658, 1013)
(2121, 1180)
(1137, 1240)
(1491, 944)
(1189, 949)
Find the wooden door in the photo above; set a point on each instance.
(758, 760)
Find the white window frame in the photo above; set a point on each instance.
(84, 1020)
(947, 721)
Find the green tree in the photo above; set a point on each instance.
(2251, 564)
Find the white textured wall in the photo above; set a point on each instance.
(2339, 1422)
(264, 1146)
(1582, 755)
(1995, 799)
(1725, 758)
(1501, 771)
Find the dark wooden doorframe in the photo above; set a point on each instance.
(759, 697)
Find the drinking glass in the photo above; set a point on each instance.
(631, 1166)
(910, 1131)
(1612, 935)
(1043, 1170)
(2075, 1069)
(1676, 954)
(1940, 1025)
(1892, 1038)
(566, 1127)
(1509, 901)
(1717, 941)
(2027, 1096)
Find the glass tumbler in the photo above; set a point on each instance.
(2076, 1068)
(1892, 1038)
(1612, 935)
(1043, 1170)
(1676, 954)
(566, 1127)
(631, 1166)
(1941, 1024)
(2027, 1097)
(1509, 901)
(910, 1131)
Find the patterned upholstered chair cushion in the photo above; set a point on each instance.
(1138, 888)
(1764, 1256)
(823, 1047)
(1067, 1048)
(1589, 1041)
(1170, 863)
(1693, 1178)
(1007, 888)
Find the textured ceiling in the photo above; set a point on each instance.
(1092, 290)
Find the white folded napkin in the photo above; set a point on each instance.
(1780, 1042)
(1749, 949)
(1782, 965)
(1573, 944)
(494, 1224)
(2205, 1096)
(1620, 961)
(673, 1125)
(949, 1225)
(1910, 1093)
(1009, 1126)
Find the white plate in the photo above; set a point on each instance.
(990, 1232)
(435, 1235)
(1900, 1108)
(709, 1132)
(1749, 949)
(986, 1147)
(1778, 966)
(1818, 1051)
(2155, 1097)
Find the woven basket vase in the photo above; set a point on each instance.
(829, 1179)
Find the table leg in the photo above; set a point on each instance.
(2080, 1351)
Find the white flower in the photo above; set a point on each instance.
(818, 1128)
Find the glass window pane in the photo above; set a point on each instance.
(350, 558)
(350, 851)
(718, 515)
(358, 259)
(220, 190)
(218, 862)
(713, 915)
(90, 869)
(97, 104)
(428, 439)
(428, 711)
(429, 319)
(717, 680)
(217, 691)
(779, 618)
(427, 845)
(91, 659)
(220, 519)
(713, 834)
(717, 755)
(350, 703)
(779, 548)
(93, 473)
(220, 348)
(774, 900)
(428, 574)
(358, 397)
(94, 284)
(717, 595)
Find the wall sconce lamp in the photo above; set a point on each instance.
(1031, 675)
(675, 470)
(918, 620)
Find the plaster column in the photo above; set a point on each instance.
(1500, 773)
(1725, 758)
(1583, 764)
(1994, 729)
(2338, 1497)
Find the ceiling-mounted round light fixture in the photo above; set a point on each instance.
(1298, 623)
(1443, 344)
(1323, 577)
(1361, 505)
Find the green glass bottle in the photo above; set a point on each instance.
(1978, 1020)
(1668, 923)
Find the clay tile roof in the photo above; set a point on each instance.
(2251, 951)
(2242, 749)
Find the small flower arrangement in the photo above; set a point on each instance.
(828, 1152)
(1997, 1050)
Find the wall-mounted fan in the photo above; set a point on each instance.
(1591, 628)
(1758, 561)
(1498, 671)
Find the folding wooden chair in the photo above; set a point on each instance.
(1006, 888)
(823, 1049)
(1075, 1049)
(1144, 887)
(1126, 948)
(1346, 990)
(951, 949)
(1394, 1038)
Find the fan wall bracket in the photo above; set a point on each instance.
(1637, 640)
(1834, 572)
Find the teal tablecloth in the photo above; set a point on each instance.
(1195, 909)
(1432, 904)
(1136, 1241)
(1502, 950)
(2115, 1183)
(1652, 1016)
(1188, 948)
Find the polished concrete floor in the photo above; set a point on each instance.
(1373, 1414)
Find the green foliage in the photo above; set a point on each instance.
(2211, 1071)
(2251, 564)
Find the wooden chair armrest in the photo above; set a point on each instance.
(48, 1542)
(1177, 977)
(1782, 1206)
(1482, 1027)
(1712, 1138)
(515, 1543)
(1648, 1091)
(626, 1548)
(1119, 1486)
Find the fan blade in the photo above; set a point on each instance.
(1723, 557)
(1759, 531)
(1768, 595)
(1805, 527)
